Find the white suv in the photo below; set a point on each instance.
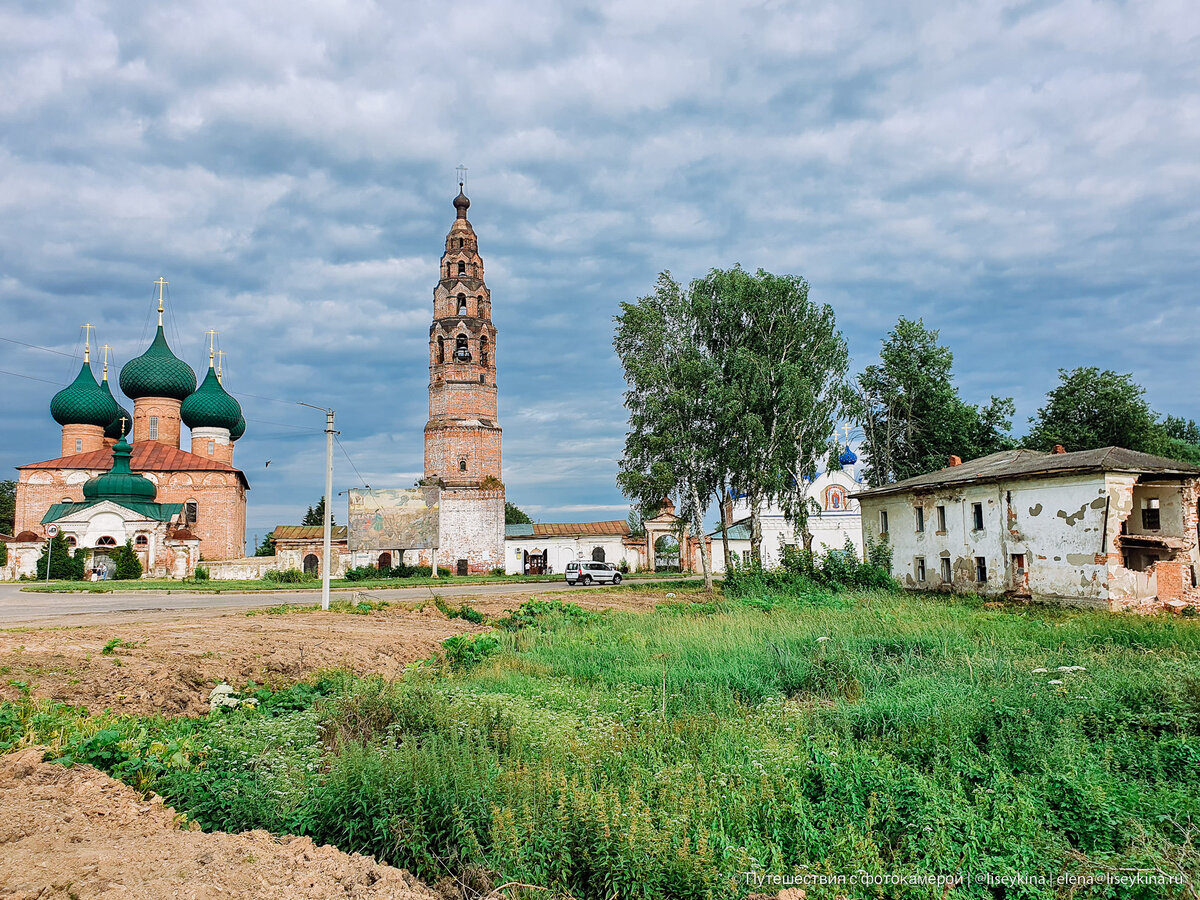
(583, 572)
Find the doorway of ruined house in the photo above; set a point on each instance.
(384, 561)
(1019, 574)
(462, 567)
(311, 564)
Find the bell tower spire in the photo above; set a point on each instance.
(463, 435)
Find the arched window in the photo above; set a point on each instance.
(141, 541)
(106, 541)
(462, 465)
(153, 432)
(71, 542)
(462, 268)
(461, 352)
(462, 304)
(441, 357)
(384, 561)
(191, 512)
(597, 554)
(311, 564)
(483, 350)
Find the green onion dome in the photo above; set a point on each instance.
(238, 430)
(158, 373)
(119, 484)
(82, 402)
(115, 429)
(210, 406)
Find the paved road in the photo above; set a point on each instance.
(18, 607)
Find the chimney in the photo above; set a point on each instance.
(1059, 448)
(956, 460)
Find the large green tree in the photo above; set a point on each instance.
(316, 515)
(781, 364)
(513, 515)
(8, 506)
(912, 417)
(670, 447)
(1090, 408)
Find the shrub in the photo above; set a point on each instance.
(545, 615)
(128, 567)
(498, 571)
(287, 576)
(201, 573)
(465, 651)
(3, 553)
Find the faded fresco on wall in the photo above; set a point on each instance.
(393, 519)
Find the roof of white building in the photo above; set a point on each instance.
(1010, 464)
(615, 527)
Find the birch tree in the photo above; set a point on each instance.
(671, 447)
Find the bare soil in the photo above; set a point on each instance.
(169, 664)
(76, 833)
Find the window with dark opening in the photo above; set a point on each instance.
(981, 569)
(977, 516)
(462, 304)
(461, 352)
(1151, 517)
(106, 541)
(141, 541)
(483, 351)
(883, 521)
(462, 465)
(460, 243)
(191, 511)
(441, 355)
(947, 576)
(462, 268)
(598, 554)
(941, 514)
(919, 566)
(919, 514)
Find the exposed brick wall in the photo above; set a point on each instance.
(167, 411)
(90, 436)
(462, 400)
(447, 445)
(222, 446)
(221, 525)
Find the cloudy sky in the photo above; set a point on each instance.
(1024, 175)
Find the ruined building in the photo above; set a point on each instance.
(462, 436)
(1108, 528)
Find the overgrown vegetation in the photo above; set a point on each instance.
(803, 727)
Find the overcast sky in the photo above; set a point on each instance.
(1025, 176)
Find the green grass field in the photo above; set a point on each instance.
(667, 754)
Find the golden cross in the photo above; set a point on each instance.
(212, 336)
(123, 426)
(221, 354)
(88, 328)
(846, 432)
(106, 348)
(162, 283)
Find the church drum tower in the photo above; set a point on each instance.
(462, 436)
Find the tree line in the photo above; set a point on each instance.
(736, 382)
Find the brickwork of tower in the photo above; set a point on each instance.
(463, 436)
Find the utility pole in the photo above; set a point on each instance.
(328, 524)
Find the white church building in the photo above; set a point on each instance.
(835, 519)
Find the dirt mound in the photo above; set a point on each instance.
(170, 667)
(78, 833)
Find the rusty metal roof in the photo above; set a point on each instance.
(147, 456)
(307, 533)
(577, 529)
(1009, 464)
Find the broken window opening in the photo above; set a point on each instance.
(1151, 514)
(981, 569)
(947, 576)
(883, 521)
(441, 353)
(462, 304)
(977, 517)
(919, 567)
(919, 513)
(461, 352)
(941, 519)
(462, 268)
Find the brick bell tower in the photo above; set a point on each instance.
(462, 436)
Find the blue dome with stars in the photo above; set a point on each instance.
(848, 457)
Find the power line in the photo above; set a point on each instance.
(349, 460)
(31, 378)
(268, 399)
(36, 347)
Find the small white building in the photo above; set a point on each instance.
(1108, 528)
(545, 549)
(835, 519)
